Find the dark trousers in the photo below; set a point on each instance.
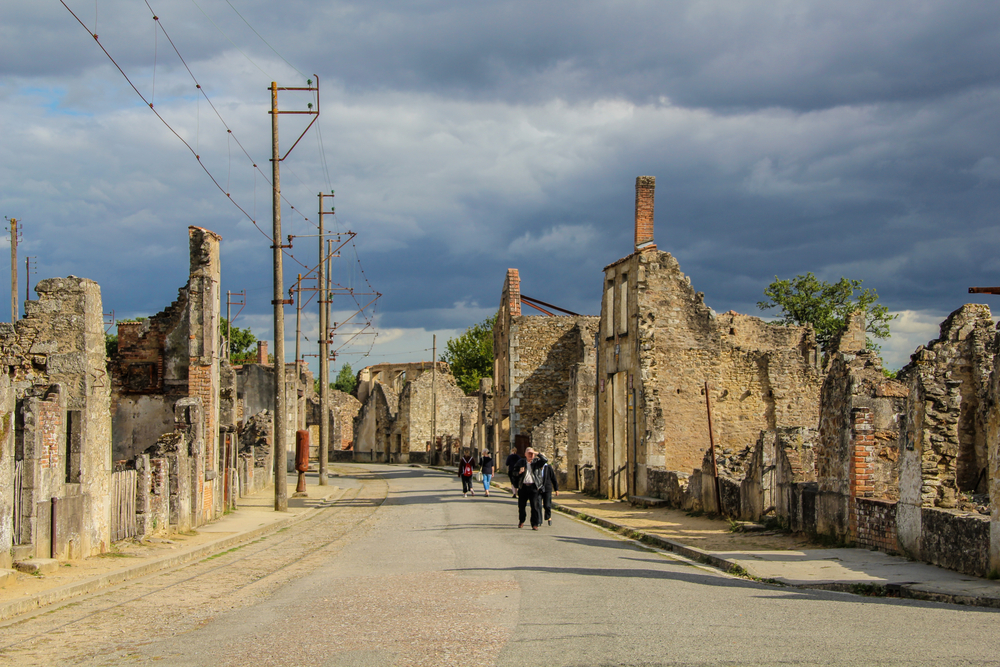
(466, 483)
(529, 494)
(547, 503)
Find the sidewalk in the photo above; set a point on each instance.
(780, 558)
(253, 518)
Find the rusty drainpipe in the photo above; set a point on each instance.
(53, 541)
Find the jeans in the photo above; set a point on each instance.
(486, 482)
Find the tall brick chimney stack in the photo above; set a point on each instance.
(645, 188)
(262, 352)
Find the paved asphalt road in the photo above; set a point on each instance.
(405, 571)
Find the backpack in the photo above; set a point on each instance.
(466, 468)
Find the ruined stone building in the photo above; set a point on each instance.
(395, 420)
(55, 426)
(658, 346)
(540, 362)
(171, 356)
(948, 455)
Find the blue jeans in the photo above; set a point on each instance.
(486, 482)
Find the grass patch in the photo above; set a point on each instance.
(738, 571)
(993, 574)
(223, 553)
(870, 590)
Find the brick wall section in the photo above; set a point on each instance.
(861, 463)
(645, 188)
(50, 425)
(875, 524)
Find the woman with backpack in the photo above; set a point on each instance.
(466, 466)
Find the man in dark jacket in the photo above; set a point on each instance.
(549, 484)
(511, 464)
(530, 476)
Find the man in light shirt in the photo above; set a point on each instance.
(530, 483)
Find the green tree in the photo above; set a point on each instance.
(346, 380)
(241, 341)
(470, 356)
(110, 345)
(827, 306)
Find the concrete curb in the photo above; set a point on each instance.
(14, 608)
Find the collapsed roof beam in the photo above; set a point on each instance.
(535, 303)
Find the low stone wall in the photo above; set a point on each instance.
(876, 524)
(955, 540)
(669, 485)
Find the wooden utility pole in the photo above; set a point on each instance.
(13, 270)
(324, 358)
(434, 396)
(280, 430)
(280, 416)
(229, 325)
(298, 319)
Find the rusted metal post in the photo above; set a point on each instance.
(301, 461)
(54, 529)
(711, 447)
(280, 419)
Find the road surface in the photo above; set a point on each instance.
(405, 571)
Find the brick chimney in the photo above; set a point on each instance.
(645, 188)
(262, 352)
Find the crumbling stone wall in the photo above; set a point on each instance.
(373, 424)
(7, 407)
(943, 453)
(581, 412)
(537, 374)
(415, 412)
(256, 442)
(59, 419)
(660, 344)
(344, 409)
(394, 376)
(779, 472)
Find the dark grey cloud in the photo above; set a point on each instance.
(853, 138)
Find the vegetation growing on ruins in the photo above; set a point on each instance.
(346, 380)
(827, 306)
(241, 342)
(470, 356)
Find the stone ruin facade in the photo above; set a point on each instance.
(170, 357)
(541, 362)
(660, 348)
(55, 426)
(394, 423)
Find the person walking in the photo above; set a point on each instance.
(549, 484)
(486, 468)
(511, 464)
(466, 465)
(529, 487)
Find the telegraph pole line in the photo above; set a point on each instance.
(27, 277)
(13, 270)
(434, 396)
(324, 351)
(298, 319)
(229, 323)
(241, 302)
(280, 409)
